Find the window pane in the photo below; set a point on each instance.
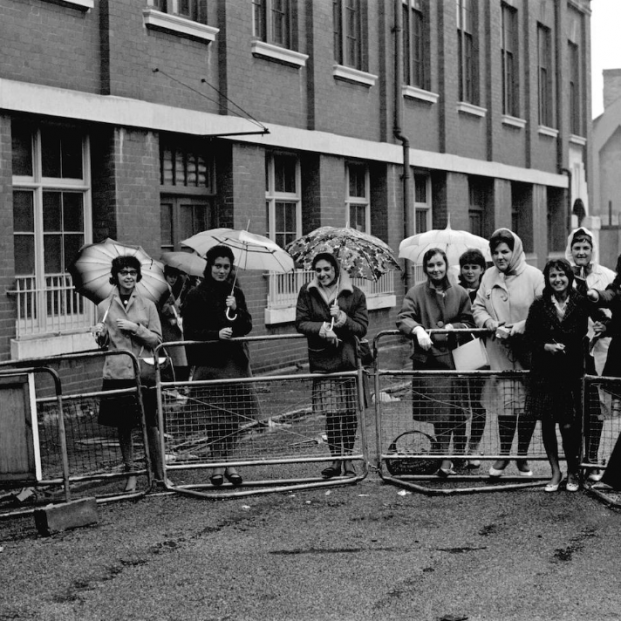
(421, 220)
(73, 212)
(51, 254)
(50, 151)
(357, 186)
(258, 13)
(168, 169)
(284, 173)
(357, 217)
(23, 214)
(71, 155)
(24, 254)
(72, 244)
(21, 149)
(286, 221)
(51, 211)
(420, 188)
(166, 226)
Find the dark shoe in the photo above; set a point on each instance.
(216, 480)
(234, 478)
(331, 471)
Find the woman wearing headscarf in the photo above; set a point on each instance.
(507, 290)
(332, 313)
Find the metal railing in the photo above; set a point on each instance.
(283, 289)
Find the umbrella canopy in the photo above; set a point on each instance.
(454, 243)
(188, 262)
(251, 251)
(360, 255)
(90, 271)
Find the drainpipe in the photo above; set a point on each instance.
(567, 172)
(397, 133)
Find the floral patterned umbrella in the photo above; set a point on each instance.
(360, 255)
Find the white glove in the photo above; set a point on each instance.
(424, 340)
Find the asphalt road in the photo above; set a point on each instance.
(364, 552)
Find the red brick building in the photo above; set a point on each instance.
(143, 120)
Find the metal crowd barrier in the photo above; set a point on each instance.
(266, 426)
(77, 457)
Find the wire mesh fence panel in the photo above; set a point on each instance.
(277, 428)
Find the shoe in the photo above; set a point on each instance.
(234, 478)
(602, 487)
(473, 463)
(573, 483)
(216, 480)
(523, 469)
(553, 487)
(331, 471)
(595, 476)
(443, 473)
(349, 470)
(498, 472)
(130, 485)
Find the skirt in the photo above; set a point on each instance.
(122, 410)
(559, 401)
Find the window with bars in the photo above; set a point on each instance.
(357, 201)
(349, 34)
(283, 198)
(468, 91)
(545, 76)
(195, 10)
(51, 209)
(272, 22)
(415, 45)
(509, 55)
(422, 203)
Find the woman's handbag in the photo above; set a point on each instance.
(365, 353)
(147, 367)
(471, 356)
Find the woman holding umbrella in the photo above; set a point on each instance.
(331, 312)
(128, 321)
(216, 311)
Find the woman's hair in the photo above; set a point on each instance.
(214, 253)
(429, 254)
(472, 257)
(501, 236)
(171, 271)
(126, 261)
(557, 264)
(331, 259)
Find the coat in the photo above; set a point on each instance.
(610, 298)
(554, 386)
(140, 310)
(311, 313)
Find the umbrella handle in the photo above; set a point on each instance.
(233, 318)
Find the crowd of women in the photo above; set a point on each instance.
(558, 324)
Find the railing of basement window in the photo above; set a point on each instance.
(52, 310)
(283, 289)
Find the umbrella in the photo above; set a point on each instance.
(90, 271)
(251, 251)
(454, 243)
(360, 255)
(188, 262)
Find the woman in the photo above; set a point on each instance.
(432, 305)
(507, 290)
(556, 327)
(332, 313)
(216, 311)
(128, 321)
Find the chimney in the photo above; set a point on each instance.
(612, 86)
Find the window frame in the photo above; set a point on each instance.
(574, 85)
(468, 91)
(415, 45)
(545, 77)
(273, 197)
(358, 201)
(422, 207)
(509, 48)
(351, 31)
(196, 14)
(263, 27)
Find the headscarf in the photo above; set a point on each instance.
(517, 263)
(582, 232)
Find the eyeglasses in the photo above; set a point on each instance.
(128, 273)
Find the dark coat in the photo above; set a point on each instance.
(312, 311)
(610, 298)
(554, 379)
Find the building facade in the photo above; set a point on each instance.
(149, 120)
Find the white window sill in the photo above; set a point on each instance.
(468, 108)
(87, 5)
(172, 23)
(547, 131)
(413, 92)
(46, 346)
(279, 54)
(287, 315)
(579, 140)
(513, 121)
(349, 74)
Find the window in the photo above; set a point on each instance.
(357, 198)
(510, 78)
(187, 187)
(414, 45)
(466, 52)
(349, 46)
(575, 90)
(272, 21)
(545, 76)
(422, 203)
(51, 216)
(195, 10)
(283, 200)
(476, 207)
